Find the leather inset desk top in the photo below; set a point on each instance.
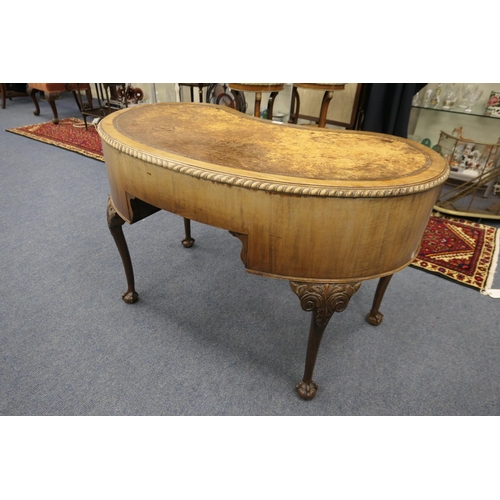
(216, 138)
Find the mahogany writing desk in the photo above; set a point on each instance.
(324, 209)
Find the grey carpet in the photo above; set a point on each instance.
(206, 338)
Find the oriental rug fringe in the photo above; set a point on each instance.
(460, 250)
(69, 133)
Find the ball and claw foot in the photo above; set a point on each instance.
(374, 319)
(130, 297)
(307, 390)
(188, 242)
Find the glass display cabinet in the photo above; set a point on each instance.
(462, 123)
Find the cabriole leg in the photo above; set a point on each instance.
(375, 317)
(188, 242)
(50, 98)
(115, 223)
(322, 300)
(32, 93)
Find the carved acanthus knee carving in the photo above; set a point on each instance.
(324, 299)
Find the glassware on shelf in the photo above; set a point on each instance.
(432, 97)
(451, 93)
(435, 96)
(466, 89)
(471, 99)
(428, 98)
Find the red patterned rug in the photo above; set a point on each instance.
(458, 249)
(69, 134)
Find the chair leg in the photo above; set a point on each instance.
(295, 106)
(270, 105)
(77, 100)
(88, 93)
(258, 98)
(200, 93)
(324, 108)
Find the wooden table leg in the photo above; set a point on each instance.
(323, 300)
(32, 93)
(50, 97)
(187, 242)
(115, 223)
(375, 316)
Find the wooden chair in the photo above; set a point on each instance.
(346, 111)
(104, 105)
(258, 88)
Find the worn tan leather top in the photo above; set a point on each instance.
(219, 139)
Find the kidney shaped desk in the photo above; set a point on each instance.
(324, 209)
